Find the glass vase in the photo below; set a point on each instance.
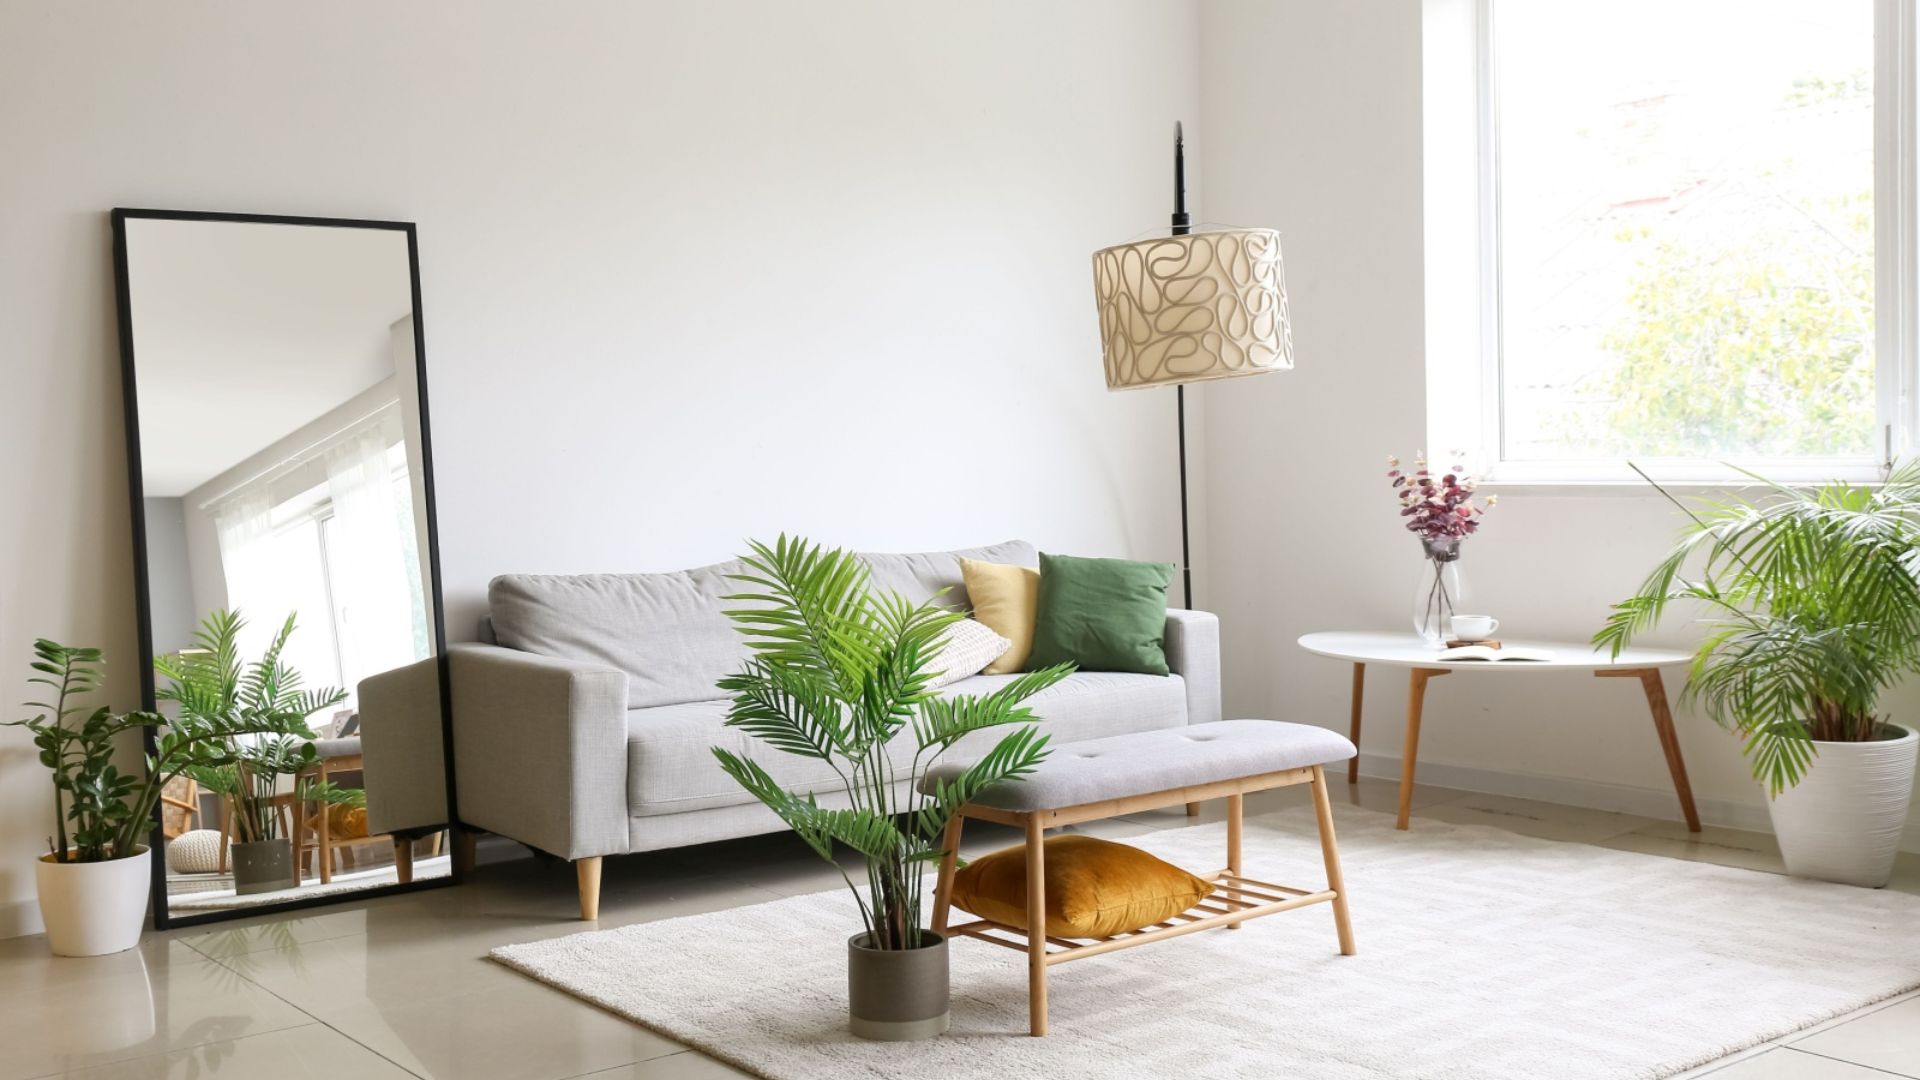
(1438, 589)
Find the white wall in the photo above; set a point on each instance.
(691, 272)
(1313, 125)
(171, 597)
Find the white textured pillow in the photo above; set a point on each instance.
(969, 647)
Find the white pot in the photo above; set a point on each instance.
(94, 908)
(1842, 821)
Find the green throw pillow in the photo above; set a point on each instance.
(1102, 614)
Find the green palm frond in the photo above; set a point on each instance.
(841, 674)
(257, 712)
(945, 721)
(1810, 598)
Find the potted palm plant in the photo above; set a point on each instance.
(841, 675)
(94, 879)
(264, 703)
(1812, 604)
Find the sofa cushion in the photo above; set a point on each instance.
(671, 768)
(919, 577)
(668, 632)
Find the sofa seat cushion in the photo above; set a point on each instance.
(671, 768)
(1086, 705)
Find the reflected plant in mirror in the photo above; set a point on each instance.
(211, 685)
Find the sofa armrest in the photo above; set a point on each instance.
(540, 749)
(405, 769)
(1193, 653)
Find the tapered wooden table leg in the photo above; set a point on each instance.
(1359, 691)
(1416, 699)
(949, 858)
(1036, 927)
(1656, 691)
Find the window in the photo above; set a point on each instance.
(337, 547)
(1693, 220)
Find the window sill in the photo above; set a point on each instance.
(1629, 487)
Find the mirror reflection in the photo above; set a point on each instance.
(287, 559)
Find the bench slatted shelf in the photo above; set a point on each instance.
(1201, 758)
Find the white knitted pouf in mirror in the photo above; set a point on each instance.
(194, 852)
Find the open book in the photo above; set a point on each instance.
(1481, 652)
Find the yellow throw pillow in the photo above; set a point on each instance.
(343, 823)
(1095, 888)
(1005, 598)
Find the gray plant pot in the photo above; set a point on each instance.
(896, 995)
(262, 866)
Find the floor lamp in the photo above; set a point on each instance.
(1191, 307)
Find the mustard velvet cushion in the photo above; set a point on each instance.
(1006, 599)
(1095, 888)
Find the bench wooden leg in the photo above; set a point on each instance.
(1330, 854)
(1193, 809)
(949, 858)
(1036, 927)
(588, 871)
(403, 859)
(1235, 808)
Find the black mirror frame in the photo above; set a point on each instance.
(162, 918)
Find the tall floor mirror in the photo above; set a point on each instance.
(286, 556)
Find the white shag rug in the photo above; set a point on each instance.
(1482, 954)
(224, 899)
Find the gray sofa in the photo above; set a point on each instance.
(585, 728)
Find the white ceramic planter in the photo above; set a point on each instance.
(1843, 821)
(94, 908)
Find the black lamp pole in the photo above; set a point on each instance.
(1182, 225)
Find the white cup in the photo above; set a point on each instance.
(1474, 627)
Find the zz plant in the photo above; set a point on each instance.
(101, 813)
(264, 707)
(840, 675)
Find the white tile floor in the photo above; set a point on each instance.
(400, 986)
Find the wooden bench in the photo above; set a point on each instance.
(1149, 770)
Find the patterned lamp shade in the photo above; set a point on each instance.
(1181, 309)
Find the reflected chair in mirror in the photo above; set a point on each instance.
(179, 807)
(316, 825)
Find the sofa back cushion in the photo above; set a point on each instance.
(668, 631)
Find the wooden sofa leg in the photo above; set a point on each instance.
(1193, 809)
(403, 859)
(465, 850)
(588, 871)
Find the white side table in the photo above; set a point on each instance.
(1407, 651)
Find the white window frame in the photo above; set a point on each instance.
(1896, 279)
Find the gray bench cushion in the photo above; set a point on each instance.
(668, 632)
(671, 769)
(1152, 761)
